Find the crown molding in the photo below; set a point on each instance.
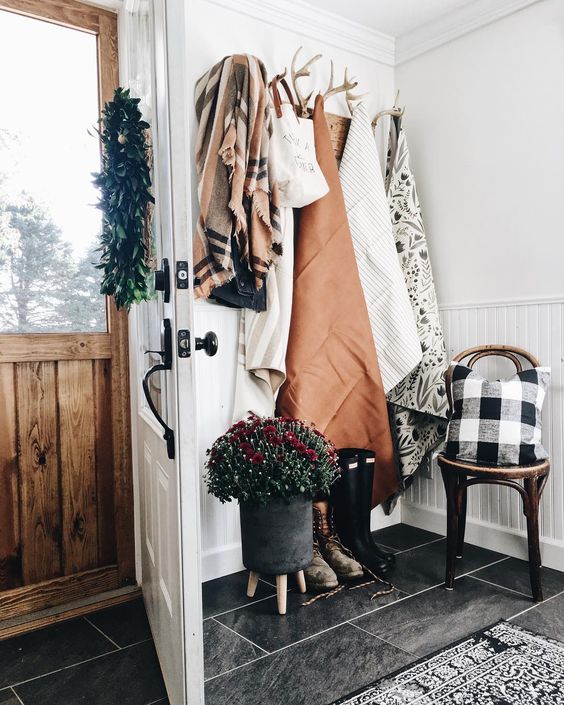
(301, 18)
(453, 25)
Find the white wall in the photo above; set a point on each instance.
(216, 32)
(484, 122)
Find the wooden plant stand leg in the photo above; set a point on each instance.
(450, 480)
(532, 489)
(281, 592)
(252, 584)
(300, 579)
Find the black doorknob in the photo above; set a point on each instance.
(161, 280)
(208, 343)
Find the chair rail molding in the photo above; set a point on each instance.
(302, 18)
(452, 25)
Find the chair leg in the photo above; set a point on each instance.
(532, 489)
(461, 517)
(450, 480)
(252, 584)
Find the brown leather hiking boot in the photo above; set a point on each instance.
(339, 558)
(319, 576)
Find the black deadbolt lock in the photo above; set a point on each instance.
(162, 280)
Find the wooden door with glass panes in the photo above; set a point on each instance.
(66, 516)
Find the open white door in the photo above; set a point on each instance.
(162, 345)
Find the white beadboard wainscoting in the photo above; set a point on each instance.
(215, 384)
(495, 516)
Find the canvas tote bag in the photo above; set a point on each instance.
(292, 153)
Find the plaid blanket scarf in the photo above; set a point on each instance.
(233, 182)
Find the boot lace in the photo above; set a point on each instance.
(324, 527)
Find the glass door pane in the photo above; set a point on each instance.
(49, 226)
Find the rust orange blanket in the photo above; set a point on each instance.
(333, 377)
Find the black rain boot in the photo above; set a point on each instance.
(352, 507)
(366, 466)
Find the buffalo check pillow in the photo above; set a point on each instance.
(497, 423)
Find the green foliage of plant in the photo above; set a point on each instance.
(261, 459)
(125, 192)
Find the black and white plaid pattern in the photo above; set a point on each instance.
(497, 423)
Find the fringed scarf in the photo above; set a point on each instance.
(233, 182)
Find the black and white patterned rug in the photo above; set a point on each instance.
(501, 665)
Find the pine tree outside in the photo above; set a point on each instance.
(49, 225)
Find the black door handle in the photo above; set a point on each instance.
(208, 343)
(166, 364)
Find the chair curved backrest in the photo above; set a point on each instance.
(479, 351)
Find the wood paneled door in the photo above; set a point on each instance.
(66, 510)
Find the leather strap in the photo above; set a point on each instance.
(276, 95)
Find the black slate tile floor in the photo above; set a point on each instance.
(402, 537)
(546, 618)
(230, 592)
(514, 574)
(317, 670)
(312, 655)
(437, 617)
(8, 697)
(124, 624)
(261, 623)
(424, 567)
(34, 654)
(225, 650)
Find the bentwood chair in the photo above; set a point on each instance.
(458, 476)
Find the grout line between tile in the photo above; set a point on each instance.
(381, 638)
(421, 545)
(483, 567)
(17, 696)
(267, 582)
(236, 668)
(504, 587)
(536, 604)
(101, 632)
(79, 663)
(250, 603)
(240, 635)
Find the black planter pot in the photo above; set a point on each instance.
(277, 539)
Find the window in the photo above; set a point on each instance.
(49, 226)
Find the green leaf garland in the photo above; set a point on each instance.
(125, 200)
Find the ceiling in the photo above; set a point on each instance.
(394, 17)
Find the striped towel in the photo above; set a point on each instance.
(389, 309)
(263, 337)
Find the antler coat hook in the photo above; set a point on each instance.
(346, 87)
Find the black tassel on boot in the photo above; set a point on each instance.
(351, 496)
